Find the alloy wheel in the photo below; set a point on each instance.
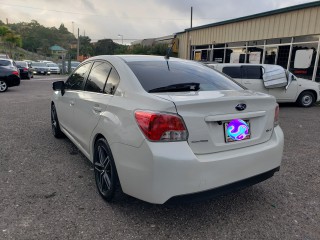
(3, 86)
(103, 170)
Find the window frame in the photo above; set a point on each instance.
(86, 77)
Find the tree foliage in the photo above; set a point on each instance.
(37, 38)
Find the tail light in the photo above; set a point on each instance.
(276, 116)
(161, 127)
(25, 69)
(16, 73)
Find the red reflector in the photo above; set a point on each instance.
(161, 127)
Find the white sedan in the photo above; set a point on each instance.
(160, 128)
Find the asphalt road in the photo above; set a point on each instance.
(47, 188)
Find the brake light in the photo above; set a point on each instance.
(25, 69)
(161, 127)
(276, 116)
(15, 73)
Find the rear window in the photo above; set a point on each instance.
(21, 64)
(234, 72)
(252, 72)
(160, 74)
(5, 63)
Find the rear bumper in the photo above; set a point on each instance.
(14, 81)
(156, 172)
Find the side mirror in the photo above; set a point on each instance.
(58, 86)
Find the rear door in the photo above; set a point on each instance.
(233, 72)
(93, 101)
(252, 78)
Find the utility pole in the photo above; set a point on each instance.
(191, 16)
(78, 46)
(73, 27)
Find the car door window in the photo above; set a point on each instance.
(112, 83)
(234, 72)
(251, 72)
(98, 77)
(77, 80)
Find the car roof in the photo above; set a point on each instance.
(134, 58)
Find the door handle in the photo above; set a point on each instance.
(97, 109)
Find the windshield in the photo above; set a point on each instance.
(37, 64)
(52, 65)
(171, 76)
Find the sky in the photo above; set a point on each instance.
(125, 20)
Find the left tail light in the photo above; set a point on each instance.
(161, 127)
(16, 73)
(276, 115)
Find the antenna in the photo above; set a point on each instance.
(169, 50)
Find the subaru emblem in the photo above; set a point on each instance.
(241, 106)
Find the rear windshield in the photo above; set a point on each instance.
(21, 64)
(160, 74)
(5, 63)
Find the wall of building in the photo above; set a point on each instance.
(287, 37)
(288, 24)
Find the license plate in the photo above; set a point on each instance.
(42, 71)
(238, 133)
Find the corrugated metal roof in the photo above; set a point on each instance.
(264, 14)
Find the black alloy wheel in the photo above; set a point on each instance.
(105, 172)
(56, 131)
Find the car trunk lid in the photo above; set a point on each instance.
(207, 114)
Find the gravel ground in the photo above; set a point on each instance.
(47, 186)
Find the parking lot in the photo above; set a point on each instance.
(48, 191)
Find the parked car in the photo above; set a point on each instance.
(162, 128)
(26, 71)
(53, 68)
(73, 66)
(274, 80)
(4, 55)
(40, 68)
(9, 74)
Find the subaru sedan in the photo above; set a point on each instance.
(159, 128)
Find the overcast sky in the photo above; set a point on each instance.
(135, 19)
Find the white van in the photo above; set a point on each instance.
(273, 80)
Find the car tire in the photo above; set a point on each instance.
(28, 77)
(306, 99)
(56, 131)
(105, 171)
(3, 86)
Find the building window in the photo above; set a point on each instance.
(255, 54)
(235, 55)
(310, 38)
(303, 59)
(278, 41)
(218, 55)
